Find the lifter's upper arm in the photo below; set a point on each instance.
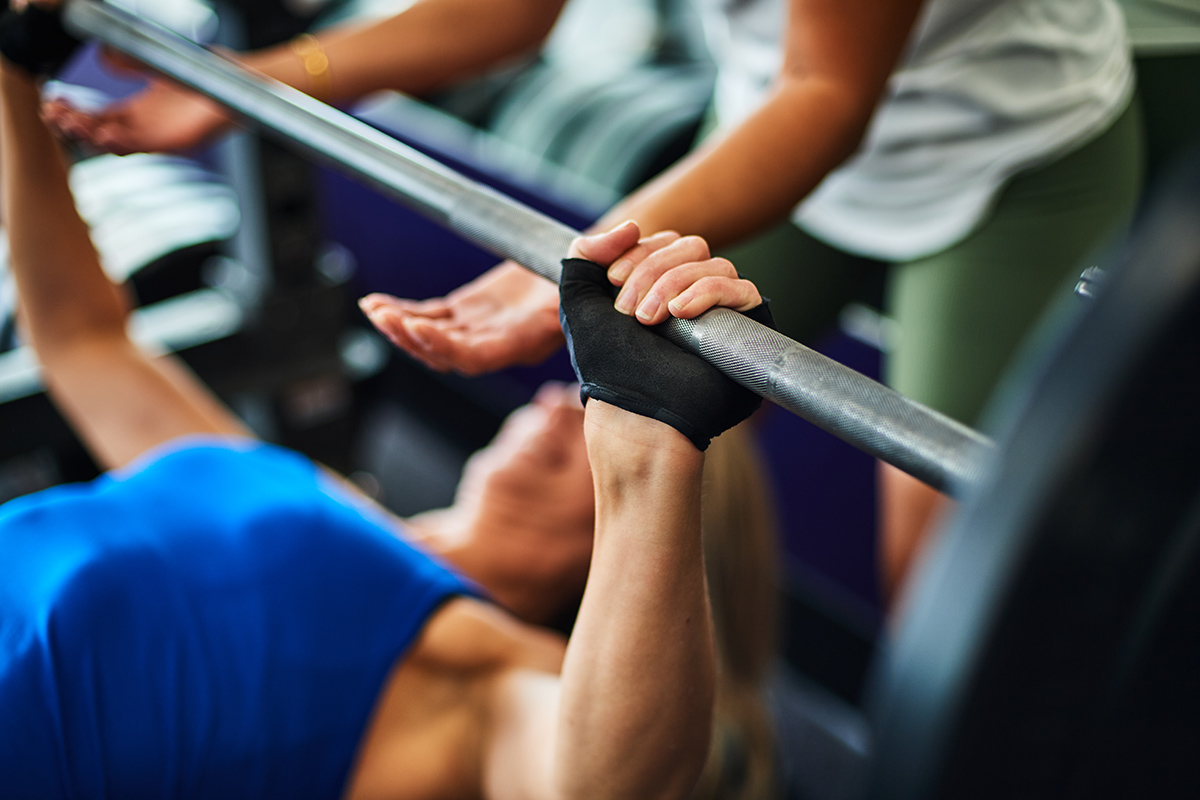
(519, 666)
(123, 401)
(470, 710)
(518, 758)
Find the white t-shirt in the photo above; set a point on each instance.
(1163, 27)
(985, 89)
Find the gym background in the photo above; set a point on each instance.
(247, 261)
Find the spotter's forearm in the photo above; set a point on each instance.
(425, 47)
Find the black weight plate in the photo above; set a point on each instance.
(1051, 645)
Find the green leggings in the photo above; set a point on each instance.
(963, 312)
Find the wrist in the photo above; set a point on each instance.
(622, 441)
(647, 479)
(314, 61)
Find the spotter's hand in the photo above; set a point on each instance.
(506, 316)
(163, 117)
(509, 315)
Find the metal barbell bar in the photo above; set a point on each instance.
(868, 415)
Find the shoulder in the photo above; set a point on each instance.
(466, 634)
(435, 712)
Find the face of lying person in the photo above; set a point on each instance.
(538, 459)
(529, 502)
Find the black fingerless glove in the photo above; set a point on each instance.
(621, 361)
(35, 40)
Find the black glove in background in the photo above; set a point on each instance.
(621, 361)
(35, 40)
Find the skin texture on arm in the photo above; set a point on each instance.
(121, 401)
(427, 46)
(643, 639)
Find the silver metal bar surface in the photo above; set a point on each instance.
(924, 443)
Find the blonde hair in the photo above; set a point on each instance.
(739, 536)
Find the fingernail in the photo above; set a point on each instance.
(620, 270)
(649, 307)
(680, 302)
(624, 302)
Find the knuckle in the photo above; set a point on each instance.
(749, 288)
(654, 267)
(699, 246)
(659, 239)
(725, 267)
(709, 284)
(637, 280)
(673, 283)
(696, 244)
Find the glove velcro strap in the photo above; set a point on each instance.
(35, 40)
(645, 409)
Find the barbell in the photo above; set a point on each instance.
(868, 415)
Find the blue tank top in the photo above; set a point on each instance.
(215, 622)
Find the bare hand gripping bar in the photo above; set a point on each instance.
(922, 442)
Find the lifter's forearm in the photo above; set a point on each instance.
(120, 402)
(64, 294)
(637, 683)
(423, 48)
